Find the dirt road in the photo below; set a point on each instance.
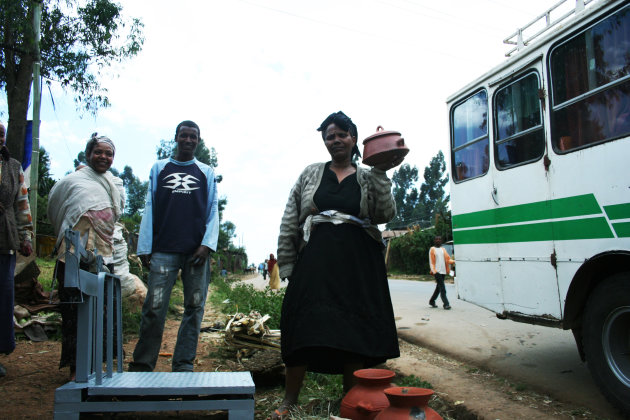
(27, 392)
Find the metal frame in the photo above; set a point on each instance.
(109, 391)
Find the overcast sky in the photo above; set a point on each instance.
(259, 76)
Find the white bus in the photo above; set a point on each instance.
(540, 185)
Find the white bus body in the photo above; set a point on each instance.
(540, 188)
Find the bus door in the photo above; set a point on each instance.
(521, 191)
(478, 277)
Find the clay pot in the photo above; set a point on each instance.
(407, 403)
(383, 147)
(366, 399)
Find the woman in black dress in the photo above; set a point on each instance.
(337, 314)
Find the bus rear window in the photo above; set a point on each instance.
(519, 135)
(469, 132)
(590, 76)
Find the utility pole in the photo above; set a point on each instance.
(37, 17)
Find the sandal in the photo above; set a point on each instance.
(280, 413)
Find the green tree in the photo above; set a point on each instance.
(79, 40)
(80, 160)
(405, 195)
(44, 180)
(136, 191)
(44, 184)
(433, 198)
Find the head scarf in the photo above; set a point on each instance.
(94, 140)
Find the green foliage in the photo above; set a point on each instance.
(406, 197)
(226, 233)
(44, 184)
(132, 316)
(46, 271)
(412, 381)
(79, 40)
(80, 160)
(132, 222)
(44, 180)
(432, 195)
(244, 298)
(44, 227)
(409, 254)
(136, 191)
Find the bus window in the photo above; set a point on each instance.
(590, 76)
(519, 136)
(469, 130)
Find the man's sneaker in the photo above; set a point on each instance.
(3, 371)
(433, 305)
(447, 306)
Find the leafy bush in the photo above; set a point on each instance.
(409, 254)
(244, 298)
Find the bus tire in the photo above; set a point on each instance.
(606, 339)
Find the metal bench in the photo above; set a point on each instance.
(109, 391)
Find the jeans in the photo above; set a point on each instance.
(7, 338)
(162, 277)
(440, 289)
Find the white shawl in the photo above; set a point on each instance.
(82, 191)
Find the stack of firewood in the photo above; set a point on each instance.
(250, 332)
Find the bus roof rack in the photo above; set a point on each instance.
(517, 37)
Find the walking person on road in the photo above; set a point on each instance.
(440, 263)
(274, 276)
(179, 230)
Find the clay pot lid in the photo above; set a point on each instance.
(381, 132)
(374, 374)
(401, 391)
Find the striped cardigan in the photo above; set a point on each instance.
(377, 205)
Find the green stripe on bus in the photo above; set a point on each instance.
(592, 228)
(618, 211)
(579, 205)
(622, 229)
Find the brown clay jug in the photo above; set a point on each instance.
(366, 399)
(408, 403)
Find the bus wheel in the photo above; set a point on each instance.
(606, 331)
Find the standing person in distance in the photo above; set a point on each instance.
(16, 233)
(440, 263)
(179, 230)
(274, 274)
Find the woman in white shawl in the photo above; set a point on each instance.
(90, 201)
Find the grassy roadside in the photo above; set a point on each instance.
(321, 394)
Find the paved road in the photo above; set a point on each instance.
(545, 359)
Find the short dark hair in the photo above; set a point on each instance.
(344, 122)
(187, 123)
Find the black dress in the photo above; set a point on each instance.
(337, 308)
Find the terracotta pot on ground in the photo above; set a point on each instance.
(408, 403)
(366, 399)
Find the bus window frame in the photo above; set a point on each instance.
(584, 96)
(495, 126)
(470, 142)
